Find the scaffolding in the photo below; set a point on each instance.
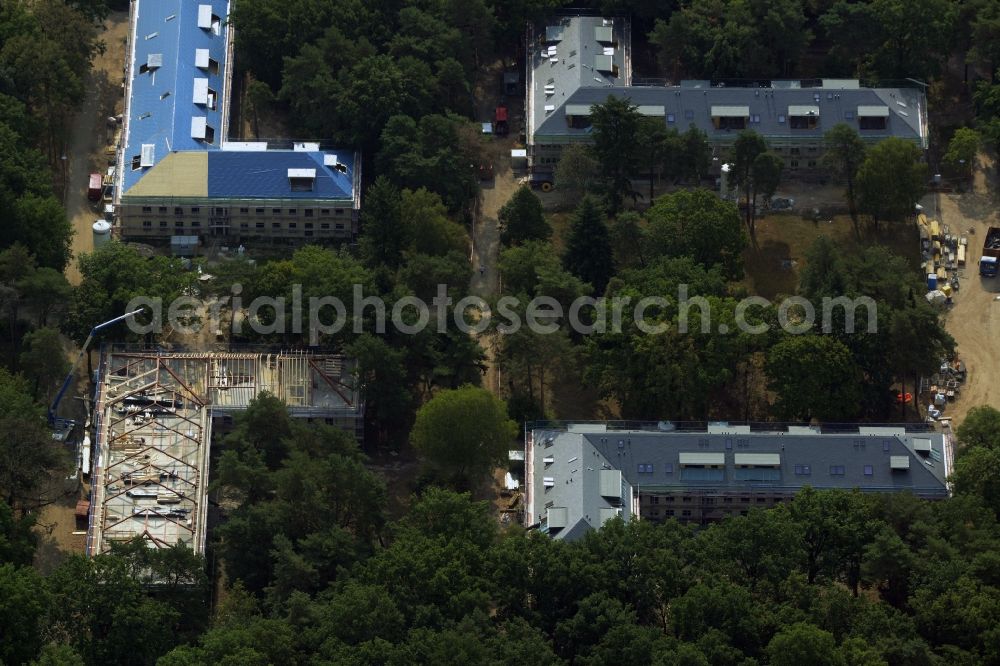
(153, 431)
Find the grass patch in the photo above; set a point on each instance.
(774, 266)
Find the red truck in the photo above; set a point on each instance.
(500, 126)
(95, 188)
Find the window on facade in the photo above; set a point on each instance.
(308, 212)
(645, 468)
(324, 211)
(869, 470)
(178, 211)
(324, 225)
(259, 211)
(655, 499)
(147, 223)
(244, 211)
(668, 468)
(811, 164)
(671, 118)
(670, 512)
(178, 224)
(276, 225)
(308, 233)
(309, 225)
(244, 225)
(794, 164)
(276, 211)
(260, 225)
(163, 223)
(195, 223)
(802, 470)
(292, 225)
(147, 209)
(163, 209)
(686, 512)
(338, 211)
(195, 210)
(837, 470)
(340, 226)
(689, 114)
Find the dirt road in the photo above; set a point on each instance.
(974, 321)
(86, 151)
(485, 253)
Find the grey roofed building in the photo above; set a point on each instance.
(570, 473)
(563, 83)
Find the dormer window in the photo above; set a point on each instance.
(204, 61)
(201, 130)
(730, 117)
(873, 117)
(301, 180)
(803, 117)
(208, 20)
(204, 95)
(578, 116)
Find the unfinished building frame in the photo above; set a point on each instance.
(154, 421)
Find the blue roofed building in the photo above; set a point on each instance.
(578, 476)
(177, 172)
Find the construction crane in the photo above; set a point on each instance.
(76, 364)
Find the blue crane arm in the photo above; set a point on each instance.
(79, 358)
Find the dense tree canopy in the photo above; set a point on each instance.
(700, 225)
(463, 433)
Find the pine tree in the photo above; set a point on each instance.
(383, 234)
(588, 248)
(522, 219)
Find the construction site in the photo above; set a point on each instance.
(153, 423)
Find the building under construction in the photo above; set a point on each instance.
(154, 417)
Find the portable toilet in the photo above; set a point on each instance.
(931, 281)
(102, 233)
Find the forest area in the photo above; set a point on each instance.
(318, 575)
(317, 567)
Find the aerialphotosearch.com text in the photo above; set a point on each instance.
(319, 316)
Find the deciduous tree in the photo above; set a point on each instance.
(463, 433)
(700, 225)
(891, 180)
